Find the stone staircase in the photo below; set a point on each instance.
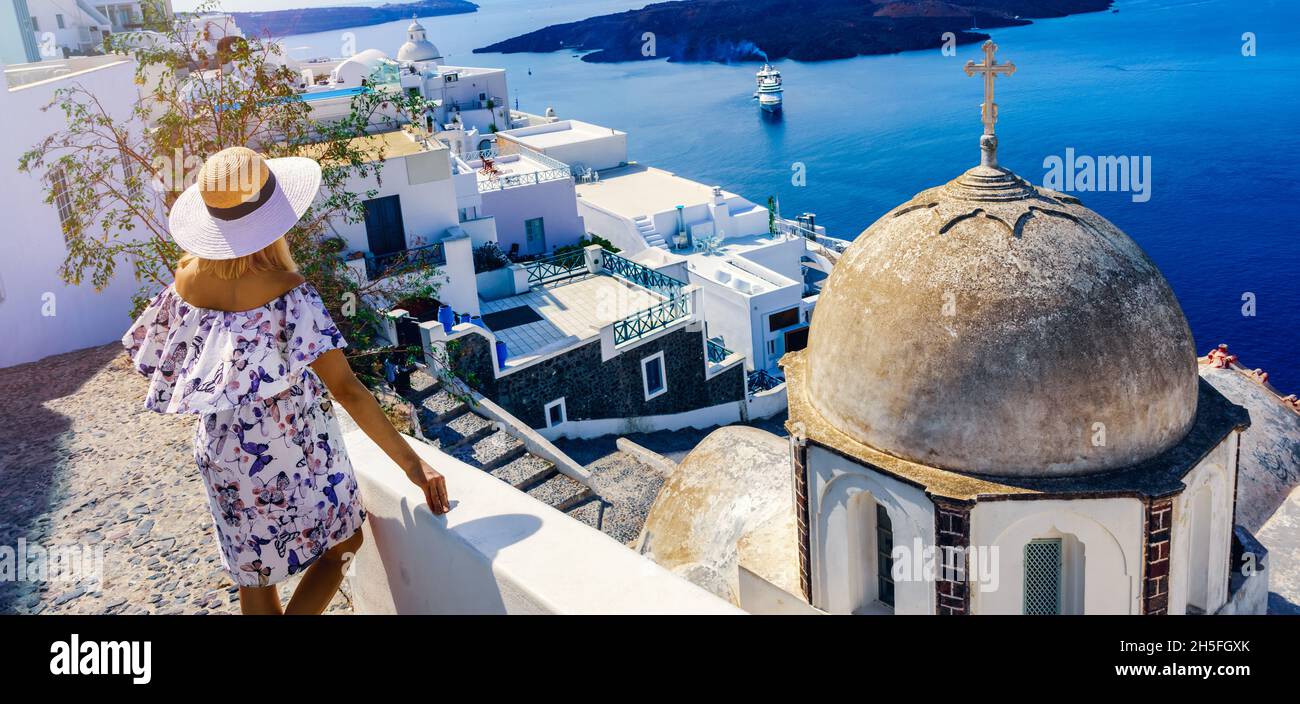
(646, 226)
(450, 424)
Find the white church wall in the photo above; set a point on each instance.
(843, 554)
(1201, 540)
(762, 598)
(1108, 552)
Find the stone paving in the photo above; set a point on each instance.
(83, 464)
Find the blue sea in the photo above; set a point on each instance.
(1164, 79)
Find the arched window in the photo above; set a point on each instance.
(884, 557)
(1198, 554)
(871, 562)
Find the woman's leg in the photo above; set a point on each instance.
(322, 579)
(260, 601)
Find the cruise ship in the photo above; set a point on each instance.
(769, 88)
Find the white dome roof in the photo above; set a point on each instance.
(360, 65)
(730, 502)
(417, 46)
(992, 327)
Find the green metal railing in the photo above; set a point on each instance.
(651, 319)
(378, 265)
(716, 351)
(760, 380)
(642, 276)
(558, 268)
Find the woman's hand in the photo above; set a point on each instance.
(434, 486)
(332, 367)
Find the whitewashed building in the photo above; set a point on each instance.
(759, 286)
(65, 27)
(46, 315)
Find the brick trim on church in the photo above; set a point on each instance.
(952, 538)
(1156, 547)
(799, 450)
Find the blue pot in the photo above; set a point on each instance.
(447, 318)
(502, 353)
(477, 320)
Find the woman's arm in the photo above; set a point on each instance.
(332, 367)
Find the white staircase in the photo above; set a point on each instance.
(646, 226)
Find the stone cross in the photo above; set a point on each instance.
(989, 109)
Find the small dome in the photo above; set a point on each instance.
(992, 327)
(360, 65)
(730, 502)
(417, 46)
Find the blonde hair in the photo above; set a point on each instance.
(273, 257)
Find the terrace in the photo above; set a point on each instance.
(572, 297)
(523, 167)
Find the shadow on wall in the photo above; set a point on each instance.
(449, 580)
(32, 437)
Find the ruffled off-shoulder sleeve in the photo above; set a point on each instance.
(202, 361)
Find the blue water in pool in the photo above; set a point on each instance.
(336, 93)
(1161, 78)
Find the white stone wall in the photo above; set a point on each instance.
(30, 287)
(428, 197)
(842, 548)
(498, 551)
(1109, 532)
(1201, 539)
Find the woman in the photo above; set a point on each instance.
(243, 341)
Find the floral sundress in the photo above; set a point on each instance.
(280, 486)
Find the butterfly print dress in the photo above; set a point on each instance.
(267, 443)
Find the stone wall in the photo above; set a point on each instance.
(952, 540)
(596, 390)
(1160, 515)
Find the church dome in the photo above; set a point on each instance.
(989, 326)
(729, 504)
(417, 46)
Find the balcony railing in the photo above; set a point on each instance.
(476, 104)
(760, 380)
(476, 155)
(555, 170)
(652, 319)
(642, 276)
(428, 255)
(502, 182)
(791, 227)
(716, 352)
(558, 268)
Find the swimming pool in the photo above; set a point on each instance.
(336, 93)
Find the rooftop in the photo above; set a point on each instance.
(636, 189)
(555, 134)
(393, 144)
(563, 314)
(520, 168)
(737, 272)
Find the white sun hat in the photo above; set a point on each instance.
(241, 203)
